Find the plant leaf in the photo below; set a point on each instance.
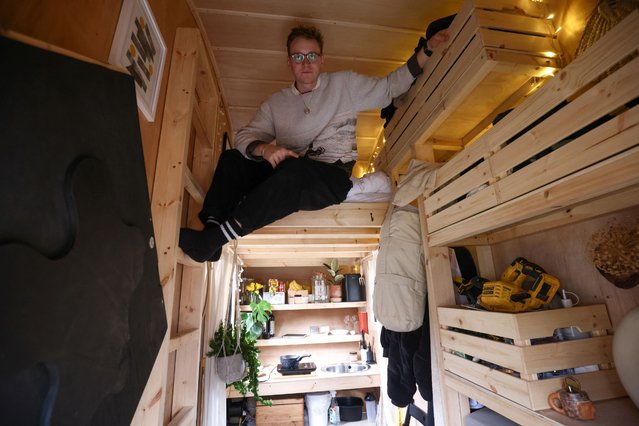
(334, 264)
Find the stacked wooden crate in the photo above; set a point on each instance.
(514, 365)
(498, 52)
(284, 411)
(573, 141)
(567, 153)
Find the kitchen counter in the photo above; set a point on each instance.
(317, 381)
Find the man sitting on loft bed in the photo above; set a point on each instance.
(309, 166)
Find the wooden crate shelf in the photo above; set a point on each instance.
(519, 361)
(494, 59)
(572, 142)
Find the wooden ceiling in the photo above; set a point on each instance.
(247, 41)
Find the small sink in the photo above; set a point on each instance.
(346, 367)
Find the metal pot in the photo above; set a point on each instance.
(291, 362)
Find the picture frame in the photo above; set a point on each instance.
(139, 48)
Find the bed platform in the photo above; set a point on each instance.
(348, 231)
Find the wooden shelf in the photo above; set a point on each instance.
(317, 381)
(611, 411)
(317, 339)
(309, 306)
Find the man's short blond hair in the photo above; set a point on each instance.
(309, 32)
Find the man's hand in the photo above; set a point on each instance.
(439, 38)
(275, 154)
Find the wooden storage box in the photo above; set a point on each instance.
(575, 140)
(285, 411)
(494, 59)
(526, 359)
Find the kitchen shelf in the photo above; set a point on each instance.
(308, 340)
(309, 306)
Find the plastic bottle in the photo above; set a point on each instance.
(363, 349)
(371, 408)
(333, 410)
(271, 325)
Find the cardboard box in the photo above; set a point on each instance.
(293, 293)
(277, 298)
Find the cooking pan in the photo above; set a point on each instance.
(291, 362)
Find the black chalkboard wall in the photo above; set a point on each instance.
(81, 309)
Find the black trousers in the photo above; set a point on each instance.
(255, 194)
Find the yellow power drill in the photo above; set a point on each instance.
(523, 286)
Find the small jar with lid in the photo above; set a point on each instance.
(352, 356)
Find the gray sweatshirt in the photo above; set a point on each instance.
(327, 132)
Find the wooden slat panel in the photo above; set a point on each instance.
(346, 214)
(613, 202)
(603, 384)
(611, 175)
(459, 82)
(526, 325)
(501, 383)
(517, 23)
(461, 33)
(616, 45)
(532, 359)
(166, 202)
(276, 252)
(187, 358)
(302, 233)
(611, 138)
(502, 405)
(618, 134)
(307, 243)
(518, 42)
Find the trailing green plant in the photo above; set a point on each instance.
(333, 270)
(224, 341)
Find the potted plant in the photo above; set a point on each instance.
(335, 288)
(238, 363)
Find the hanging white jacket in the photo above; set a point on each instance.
(399, 295)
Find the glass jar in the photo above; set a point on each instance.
(319, 288)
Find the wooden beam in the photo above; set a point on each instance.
(337, 242)
(185, 417)
(346, 214)
(303, 233)
(166, 203)
(192, 187)
(182, 338)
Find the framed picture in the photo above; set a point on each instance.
(138, 47)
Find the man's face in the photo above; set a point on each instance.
(305, 73)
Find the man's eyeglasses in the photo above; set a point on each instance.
(298, 58)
